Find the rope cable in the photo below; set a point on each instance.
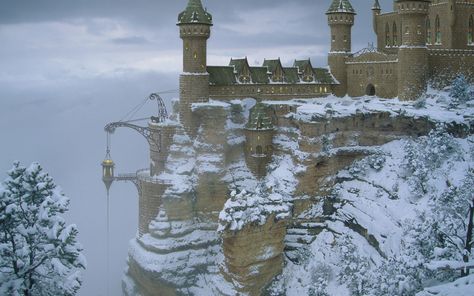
(108, 245)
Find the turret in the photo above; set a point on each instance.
(375, 13)
(259, 139)
(341, 16)
(195, 28)
(413, 53)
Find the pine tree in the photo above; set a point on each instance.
(39, 253)
(460, 90)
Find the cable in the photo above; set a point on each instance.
(108, 245)
(134, 110)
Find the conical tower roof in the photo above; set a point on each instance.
(341, 6)
(195, 14)
(376, 5)
(259, 118)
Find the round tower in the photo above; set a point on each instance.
(341, 17)
(259, 139)
(195, 28)
(413, 53)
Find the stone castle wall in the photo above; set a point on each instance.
(149, 202)
(275, 91)
(447, 64)
(383, 75)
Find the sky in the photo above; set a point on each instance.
(68, 67)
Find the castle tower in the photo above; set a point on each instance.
(375, 12)
(259, 139)
(413, 53)
(341, 19)
(195, 28)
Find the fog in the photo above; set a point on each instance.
(68, 69)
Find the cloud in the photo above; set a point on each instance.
(130, 40)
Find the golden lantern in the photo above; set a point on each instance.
(108, 172)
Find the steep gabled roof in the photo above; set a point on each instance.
(194, 13)
(259, 75)
(239, 65)
(272, 65)
(291, 75)
(221, 75)
(259, 118)
(302, 64)
(341, 6)
(323, 76)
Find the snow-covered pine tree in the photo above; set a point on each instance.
(39, 253)
(460, 90)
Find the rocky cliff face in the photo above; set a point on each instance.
(220, 230)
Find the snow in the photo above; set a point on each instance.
(245, 208)
(460, 287)
(210, 104)
(437, 107)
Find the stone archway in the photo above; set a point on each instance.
(370, 90)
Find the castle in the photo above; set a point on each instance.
(417, 42)
(217, 145)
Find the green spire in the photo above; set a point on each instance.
(195, 14)
(341, 6)
(259, 118)
(376, 5)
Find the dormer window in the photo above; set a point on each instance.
(244, 79)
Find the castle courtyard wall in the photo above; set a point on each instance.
(381, 74)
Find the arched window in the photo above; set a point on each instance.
(428, 31)
(470, 33)
(437, 31)
(395, 34)
(259, 150)
(387, 35)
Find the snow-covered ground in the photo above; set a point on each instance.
(373, 242)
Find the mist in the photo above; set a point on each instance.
(68, 70)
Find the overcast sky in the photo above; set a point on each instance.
(67, 67)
